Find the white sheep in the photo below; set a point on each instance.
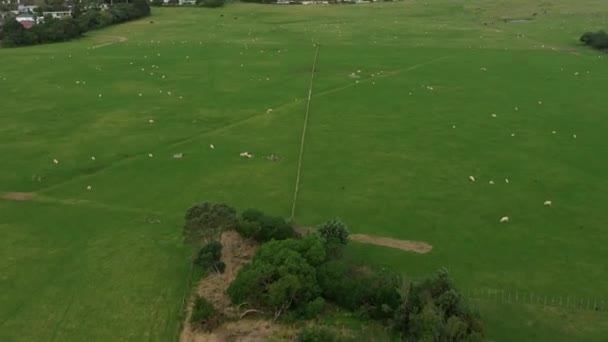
(150, 155)
(55, 161)
(491, 182)
(211, 146)
(504, 219)
(548, 203)
(472, 178)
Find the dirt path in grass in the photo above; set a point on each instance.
(19, 196)
(404, 245)
(119, 39)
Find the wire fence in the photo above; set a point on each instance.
(543, 300)
(297, 186)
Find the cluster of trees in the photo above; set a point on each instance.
(203, 3)
(597, 40)
(57, 30)
(294, 277)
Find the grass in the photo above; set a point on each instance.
(78, 264)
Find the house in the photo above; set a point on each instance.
(58, 15)
(26, 19)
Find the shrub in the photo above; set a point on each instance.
(597, 40)
(209, 257)
(281, 277)
(204, 315)
(206, 222)
(317, 334)
(433, 309)
(334, 230)
(335, 234)
(314, 308)
(261, 227)
(371, 292)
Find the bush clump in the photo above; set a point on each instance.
(204, 315)
(318, 334)
(371, 292)
(433, 309)
(254, 224)
(334, 230)
(206, 221)
(597, 40)
(281, 277)
(209, 257)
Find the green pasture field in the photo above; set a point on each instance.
(400, 117)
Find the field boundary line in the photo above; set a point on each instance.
(303, 139)
(183, 314)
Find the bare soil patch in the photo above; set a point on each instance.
(19, 196)
(404, 245)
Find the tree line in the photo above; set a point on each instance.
(293, 277)
(58, 30)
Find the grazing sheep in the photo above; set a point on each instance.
(92, 157)
(548, 203)
(211, 146)
(507, 180)
(55, 161)
(150, 155)
(491, 182)
(89, 188)
(472, 178)
(504, 219)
